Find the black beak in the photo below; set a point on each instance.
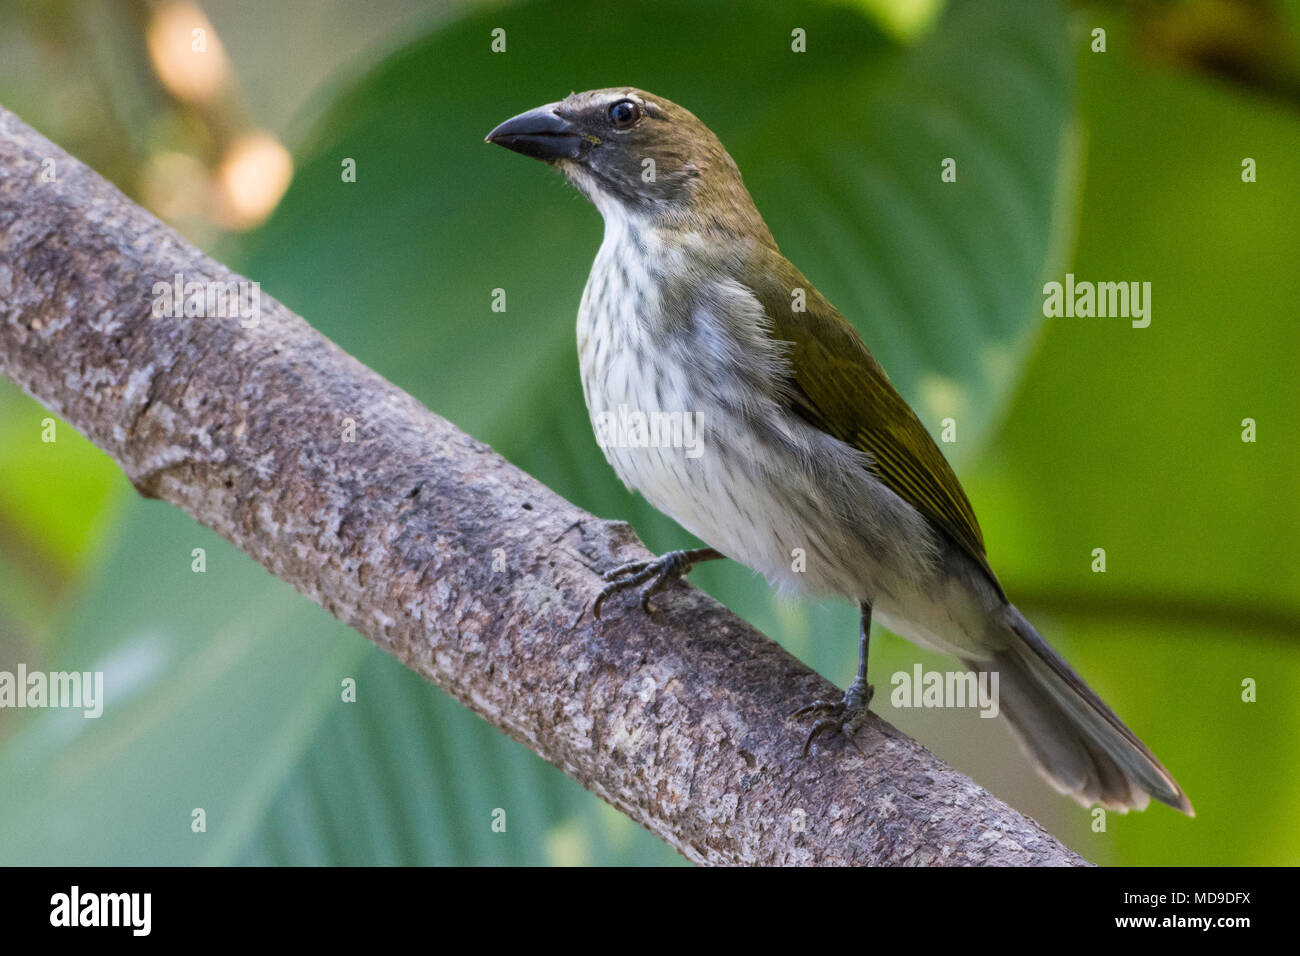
(541, 133)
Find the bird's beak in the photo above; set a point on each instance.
(541, 133)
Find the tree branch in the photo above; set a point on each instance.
(681, 720)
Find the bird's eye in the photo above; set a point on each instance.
(624, 114)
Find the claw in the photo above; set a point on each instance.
(819, 728)
(659, 572)
(849, 713)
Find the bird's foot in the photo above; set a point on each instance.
(848, 713)
(659, 572)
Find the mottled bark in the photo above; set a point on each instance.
(680, 720)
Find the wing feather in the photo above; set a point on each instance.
(840, 388)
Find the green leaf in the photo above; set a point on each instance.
(57, 498)
(213, 683)
(1130, 439)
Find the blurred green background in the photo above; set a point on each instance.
(1073, 433)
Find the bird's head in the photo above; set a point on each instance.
(635, 154)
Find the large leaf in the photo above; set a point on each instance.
(842, 147)
(1131, 440)
(212, 682)
(57, 498)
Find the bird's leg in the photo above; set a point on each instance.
(659, 572)
(850, 711)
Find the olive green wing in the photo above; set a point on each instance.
(840, 388)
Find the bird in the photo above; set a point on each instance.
(810, 468)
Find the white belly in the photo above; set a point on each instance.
(769, 491)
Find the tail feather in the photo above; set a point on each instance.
(1076, 741)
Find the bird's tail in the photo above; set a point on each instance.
(1075, 741)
